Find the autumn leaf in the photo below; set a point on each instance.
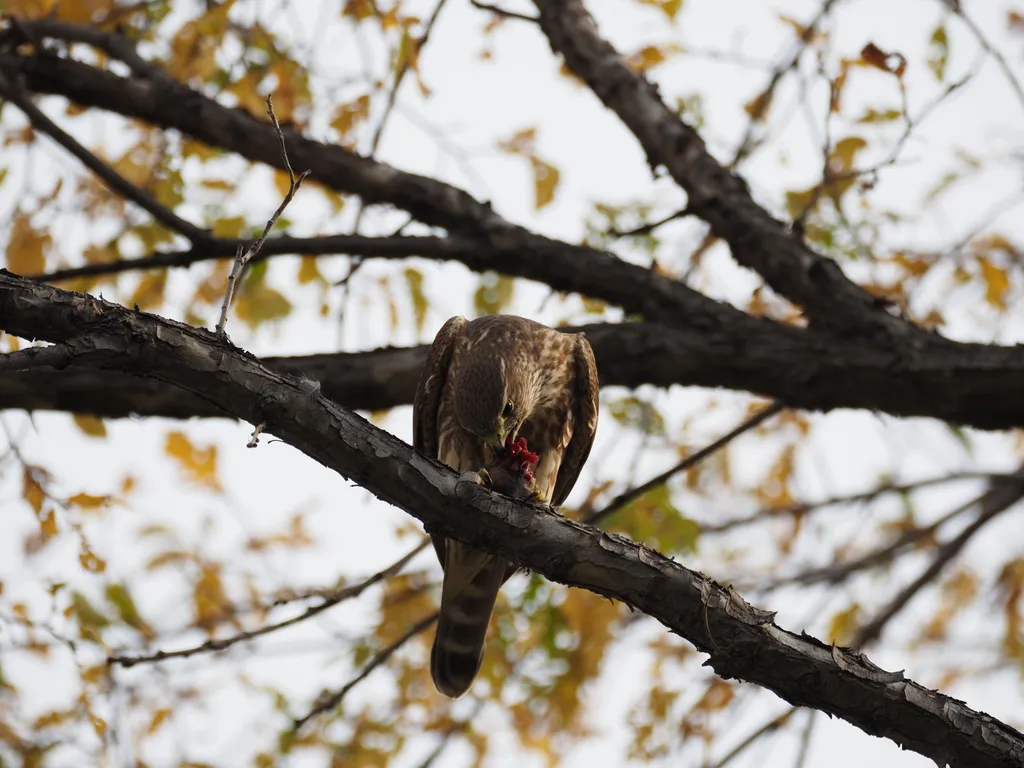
(199, 464)
(90, 425)
(27, 247)
(414, 279)
(545, 182)
(493, 294)
(149, 293)
(997, 282)
(938, 52)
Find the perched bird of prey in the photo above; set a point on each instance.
(487, 381)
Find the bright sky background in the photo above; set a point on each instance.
(474, 104)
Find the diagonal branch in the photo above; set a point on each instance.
(13, 93)
(722, 199)
(173, 106)
(329, 601)
(742, 642)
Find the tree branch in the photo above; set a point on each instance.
(564, 267)
(742, 641)
(12, 92)
(973, 384)
(720, 198)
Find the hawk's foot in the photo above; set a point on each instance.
(481, 477)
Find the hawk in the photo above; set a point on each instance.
(487, 380)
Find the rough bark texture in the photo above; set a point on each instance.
(742, 642)
(970, 384)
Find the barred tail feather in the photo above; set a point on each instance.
(471, 583)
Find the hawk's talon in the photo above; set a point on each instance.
(476, 478)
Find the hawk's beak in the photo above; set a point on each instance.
(497, 441)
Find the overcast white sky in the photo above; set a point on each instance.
(475, 103)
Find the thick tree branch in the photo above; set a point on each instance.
(972, 384)
(719, 197)
(562, 266)
(742, 642)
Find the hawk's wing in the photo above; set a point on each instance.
(585, 404)
(427, 400)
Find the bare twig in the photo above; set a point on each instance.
(805, 739)
(991, 50)
(1000, 497)
(636, 492)
(254, 438)
(748, 143)
(770, 727)
(330, 600)
(330, 702)
(801, 508)
(241, 259)
(502, 12)
(106, 173)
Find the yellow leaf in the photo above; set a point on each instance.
(90, 620)
(158, 719)
(494, 293)
(414, 279)
(48, 524)
(149, 293)
(545, 182)
(90, 425)
(309, 271)
(230, 227)
(200, 464)
(348, 116)
(259, 303)
(997, 282)
(521, 142)
(211, 603)
(27, 247)
(844, 625)
(650, 56)
(88, 501)
(842, 156)
(32, 491)
(670, 8)
(91, 562)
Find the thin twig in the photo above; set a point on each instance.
(330, 600)
(764, 98)
(801, 508)
(636, 492)
(770, 727)
(241, 259)
(999, 498)
(805, 739)
(106, 173)
(254, 438)
(989, 49)
(330, 702)
(502, 12)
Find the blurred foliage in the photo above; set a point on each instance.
(554, 653)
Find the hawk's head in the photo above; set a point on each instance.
(495, 393)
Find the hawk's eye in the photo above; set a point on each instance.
(506, 412)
